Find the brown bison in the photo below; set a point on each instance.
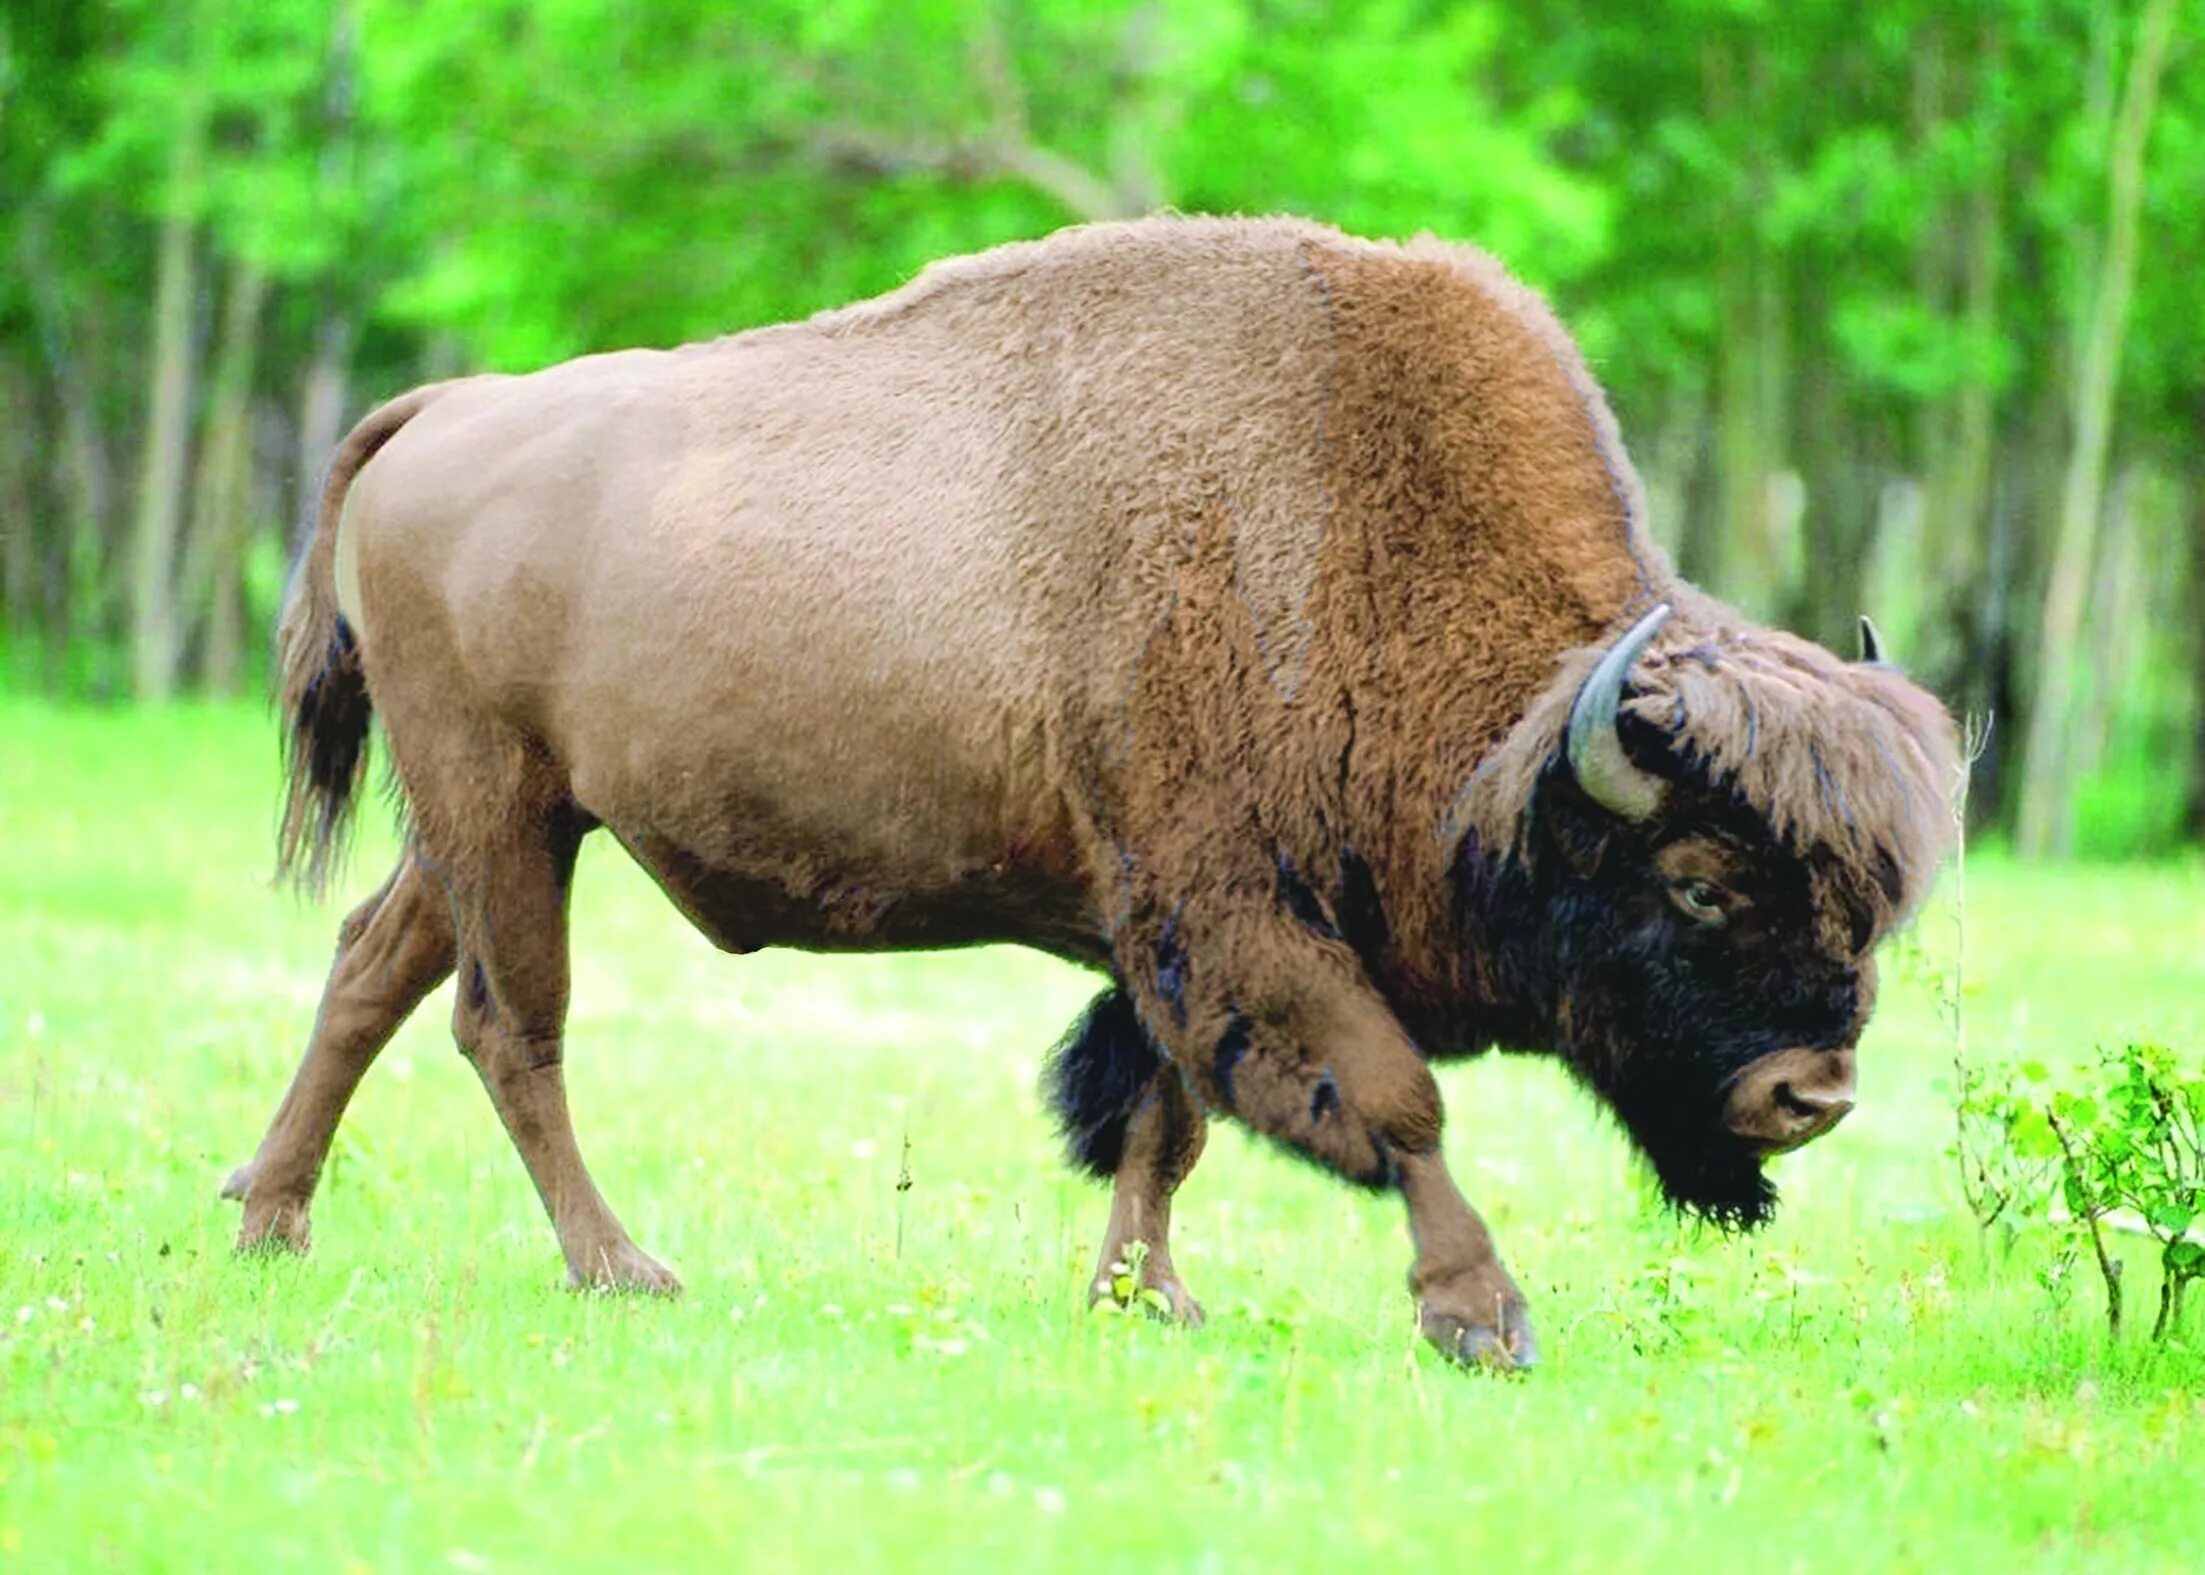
(1263, 617)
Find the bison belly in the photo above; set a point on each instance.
(834, 905)
(799, 791)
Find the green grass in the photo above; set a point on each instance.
(864, 1376)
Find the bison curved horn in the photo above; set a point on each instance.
(1871, 643)
(1596, 754)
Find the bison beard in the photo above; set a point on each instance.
(1653, 1047)
(1672, 1110)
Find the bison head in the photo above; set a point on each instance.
(1708, 860)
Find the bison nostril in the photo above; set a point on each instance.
(1807, 1106)
(1791, 1101)
(1788, 1099)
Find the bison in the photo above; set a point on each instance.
(1262, 617)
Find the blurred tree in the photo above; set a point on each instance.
(54, 322)
(2047, 788)
(179, 111)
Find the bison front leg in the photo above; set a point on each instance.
(1466, 1303)
(1280, 1028)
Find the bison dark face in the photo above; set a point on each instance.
(1708, 982)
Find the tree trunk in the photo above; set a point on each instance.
(20, 443)
(2049, 770)
(322, 392)
(1741, 463)
(1778, 555)
(1984, 248)
(1903, 608)
(153, 624)
(1967, 522)
(1697, 491)
(1840, 521)
(213, 588)
(86, 524)
(322, 395)
(2113, 623)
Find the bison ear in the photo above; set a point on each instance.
(1596, 755)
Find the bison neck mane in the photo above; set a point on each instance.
(1480, 517)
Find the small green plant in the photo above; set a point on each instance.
(2132, 1149)
(2004, 1142)
(1127, 1292)
(1668, 1305)
(2056, 1275)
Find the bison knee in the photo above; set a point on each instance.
(474, 1013)
(1353, 1120)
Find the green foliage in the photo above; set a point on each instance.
(737, 170)
(2125, 1145)
(1833, 267)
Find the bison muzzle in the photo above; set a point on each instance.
(1264, 618)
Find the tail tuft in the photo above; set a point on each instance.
(325, 755)
(1094, 1078)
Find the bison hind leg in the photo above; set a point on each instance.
(1095, 1078)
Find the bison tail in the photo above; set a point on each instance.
(1095, 1077)
(324, 694)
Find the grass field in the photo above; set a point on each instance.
(863, 1375)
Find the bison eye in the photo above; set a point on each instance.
(1702, 900)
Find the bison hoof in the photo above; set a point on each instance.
(273, 1227)
(1163, 1299)
(623, 1267)
(1501, 1342)
(273, 1223)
